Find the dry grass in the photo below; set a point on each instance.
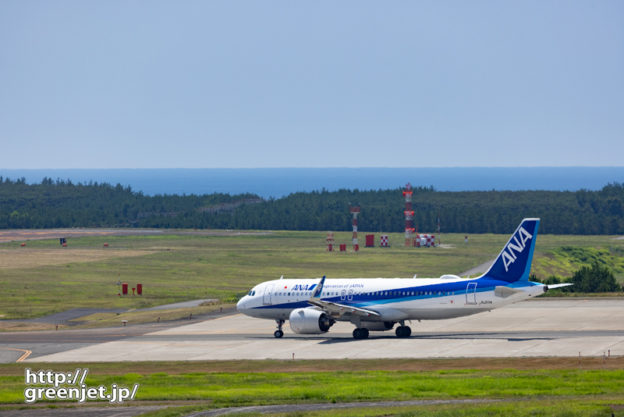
(26, 326)
(33, 258)
(149, 316)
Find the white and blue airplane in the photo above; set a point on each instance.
(312, 306)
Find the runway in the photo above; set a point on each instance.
(542, 327)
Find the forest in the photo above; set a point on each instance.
(61, 203)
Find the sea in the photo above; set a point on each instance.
(280, 182)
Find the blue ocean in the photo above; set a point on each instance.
(279, 182)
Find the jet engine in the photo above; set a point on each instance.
(309, 321)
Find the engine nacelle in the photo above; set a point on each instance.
(377, 325)
(309, 321)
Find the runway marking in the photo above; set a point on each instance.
(24, 355)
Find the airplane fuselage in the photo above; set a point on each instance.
(394, 299)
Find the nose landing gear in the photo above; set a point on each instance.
(279, 332)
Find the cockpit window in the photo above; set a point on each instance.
(251, 293)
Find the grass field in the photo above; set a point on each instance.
(43, 278)
(532, 386)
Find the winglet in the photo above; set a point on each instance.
(319, 288)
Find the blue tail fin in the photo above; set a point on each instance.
(514, 262)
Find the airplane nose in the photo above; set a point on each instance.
(240, 306)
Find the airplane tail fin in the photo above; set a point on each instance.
(514, 262)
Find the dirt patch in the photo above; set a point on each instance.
(13, 235)
(25, 326)
(38, 234)
(32, 258)
(446, 246)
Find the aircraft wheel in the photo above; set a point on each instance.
(278, 334)
(360, 333)
(403, 331)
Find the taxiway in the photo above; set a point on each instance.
(542, 327)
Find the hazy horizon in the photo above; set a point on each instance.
(278, 182)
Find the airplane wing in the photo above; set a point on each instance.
(337, 310)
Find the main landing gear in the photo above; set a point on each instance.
(403, 330)
(360, 333)
(279, 332)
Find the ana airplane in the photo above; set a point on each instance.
(312, 306)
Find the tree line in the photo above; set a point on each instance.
(61, 203)
(587, 279)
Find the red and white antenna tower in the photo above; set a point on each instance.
(409, 215)
(354, 212)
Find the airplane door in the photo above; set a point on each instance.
(266, 297)
(471, 293)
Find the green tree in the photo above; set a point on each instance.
(596, 278)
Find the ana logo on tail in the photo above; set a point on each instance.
(515, 246)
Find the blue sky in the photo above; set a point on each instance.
(209, 84)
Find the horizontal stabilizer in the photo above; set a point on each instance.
(553, 286)
(505, 292)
